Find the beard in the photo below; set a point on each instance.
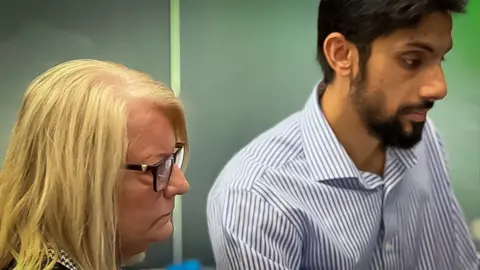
(389, 130)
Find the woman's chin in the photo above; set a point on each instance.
(135, 259)
(161, 232)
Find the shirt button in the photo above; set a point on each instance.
(389, 247)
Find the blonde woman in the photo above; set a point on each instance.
(92, 168)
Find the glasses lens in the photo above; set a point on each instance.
(164, 173)
(179, 156)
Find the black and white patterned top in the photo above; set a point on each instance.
(64, 260)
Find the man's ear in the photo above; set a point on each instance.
(341, 55)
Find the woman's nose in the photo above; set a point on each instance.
(178, 184)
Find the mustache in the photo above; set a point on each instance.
(425, 105)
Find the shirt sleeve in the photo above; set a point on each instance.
(249, 233)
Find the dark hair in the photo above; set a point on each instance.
(363, 21)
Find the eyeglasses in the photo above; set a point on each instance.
(162, 170)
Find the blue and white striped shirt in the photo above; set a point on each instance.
(293, 199)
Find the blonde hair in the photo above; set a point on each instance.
(59, 179)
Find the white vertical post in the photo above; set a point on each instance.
(175, 83)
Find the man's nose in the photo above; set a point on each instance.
(435, 87)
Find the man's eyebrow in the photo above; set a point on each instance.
(426, 47)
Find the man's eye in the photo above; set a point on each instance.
(412, 63)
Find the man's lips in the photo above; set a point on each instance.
(418, 116)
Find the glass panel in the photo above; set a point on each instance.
(36, 35)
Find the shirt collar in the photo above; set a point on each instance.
(326, 156)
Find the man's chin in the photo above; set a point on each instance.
(135, 259)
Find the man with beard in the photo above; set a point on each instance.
(357, 179)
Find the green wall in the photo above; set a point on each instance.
(248, 64)
(245, 65)
(458, 117)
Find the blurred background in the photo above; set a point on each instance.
(245, 65)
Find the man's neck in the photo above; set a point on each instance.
(366, 151)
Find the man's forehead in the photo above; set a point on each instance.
(434, 25)
(434, 34)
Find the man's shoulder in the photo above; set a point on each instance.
(432, 137)
(431, 148)
(431, 130)
(267, 153)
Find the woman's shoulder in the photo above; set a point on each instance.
(65, 262)
(57, 266)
